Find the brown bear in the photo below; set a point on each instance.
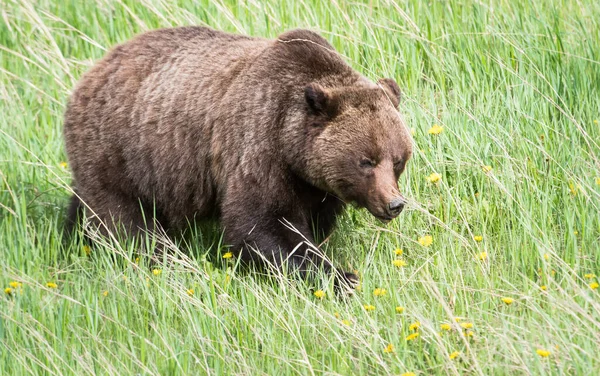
(262, 134)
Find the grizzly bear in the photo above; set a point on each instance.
(263, 135)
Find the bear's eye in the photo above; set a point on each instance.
(367, 163)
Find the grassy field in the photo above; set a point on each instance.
(506, 287)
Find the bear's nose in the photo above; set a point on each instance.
(395, 207)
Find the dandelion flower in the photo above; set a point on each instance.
(63, 164)
(337, 315)
(379, 292)
(156, 271)
(469, 333)
(228, 255)
(454, 355)
(457, 319)
(105, 293)
(190, 292)
(434, 178)
(346, 322)
(8, 291)
(389, 349)
(398, 251)
(594, 285)
(426, 240)
(399, 309)
(597, 181)
(414, 326)
(369, 307)
(467, 325)
(436, 129)
(410, 337)
(543, 353)
(320, 294)
(137, 260)
(574, 189)
(399, 263)
(508, 300)
(546, 256)
(589, 275)
(543, 287)
(482, 256)
(408, 374)
(446, 326)
(15, 284)
(87, 250)
(486, 168)
(478, 238)
(52, 285)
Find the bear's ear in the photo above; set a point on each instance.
(392, 90)
(320, 101)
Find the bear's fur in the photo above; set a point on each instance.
(191, 122)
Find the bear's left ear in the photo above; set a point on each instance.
(392, 90)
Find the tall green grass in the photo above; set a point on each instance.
(515, 86)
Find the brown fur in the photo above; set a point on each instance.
(192, 122)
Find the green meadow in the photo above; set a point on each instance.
(492, 270)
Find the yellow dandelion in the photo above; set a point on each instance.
(51, 285)
(414, 326)
(389, 349)
(320, 294)
(87, 250)
(426, 240)
(478, 238)
(543, 353)
(399, 263)
(137, 260)
(8, 291)
(486, 168)
(156, 271)
(467, 325)
(190, 292)
(508, 300)
(398, 251)
(337, 315)
(446, 326)
(589, 275)
(434, 178)
(594, 285)
(597, 181)
(410, 337)
(468, 333)
(63, 164)
(379, 292)
(457, 319)
(454, 355)
(482, 256)
(546, 256)
(436, 129)
(408, 374)
(369, 307)
(543, 287)
(575, 232)
(399, 309)
(574, 188)
(228, 255)
(105, 293)
(15, 284)
(346, 322)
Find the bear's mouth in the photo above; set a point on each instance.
(384, 218)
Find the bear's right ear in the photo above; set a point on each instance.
(320, 101)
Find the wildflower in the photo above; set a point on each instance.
(467, 325)
(52, 285)
(399, 309)
(482, 256)
(574, 188)
(546, 256)
(15, 284)
(320, 294)
(346, 322)
(337, 315)
(408, 374)
(543, 287)
(105, 293)
(87, 250)
(478, 238)
(446, 326)
(508, 301)
(389, 349)
(369, 307)
(410, 337)
(486, 168)
(596, 121)
(457, 319)
(63, 164)
(454, 355)
(434, 178)
(543, 353)
(589, 275)
(156, 271)
(575, 232)
(436, 129)
(597, 181)
(399, 263)
(426, 240)
(228, 255)
(398, 252)
(8, 291)
(190, 292)
(137, 260)
(594, 285)
(379, 292)
(469, 333)
(414, 326)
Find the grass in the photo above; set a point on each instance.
(515, 86)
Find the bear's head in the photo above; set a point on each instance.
(359, 144)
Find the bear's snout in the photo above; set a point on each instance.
(395, 206)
